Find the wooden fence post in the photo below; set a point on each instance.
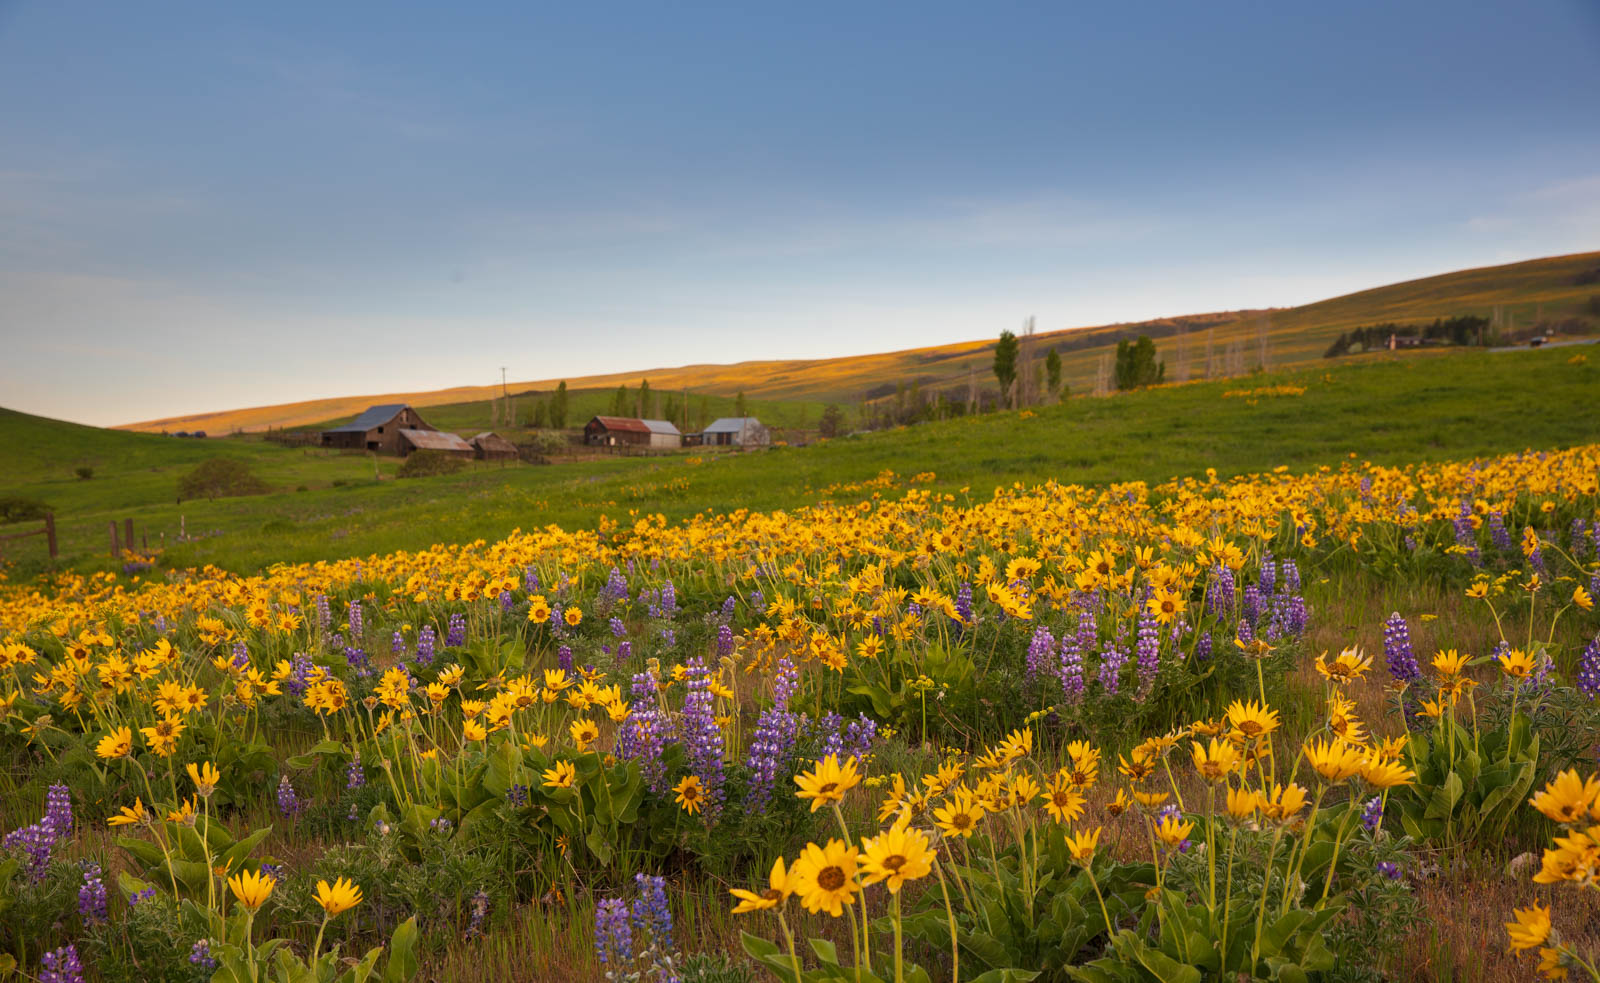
(127, 534)
(50, 532)
(115, 550)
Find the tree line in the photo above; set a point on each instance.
(1463, 330)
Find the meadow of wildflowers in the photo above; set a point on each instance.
(1057, 732)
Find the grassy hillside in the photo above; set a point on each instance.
(1296, 336)
(1395, 409)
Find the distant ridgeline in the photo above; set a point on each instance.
(1463, 330)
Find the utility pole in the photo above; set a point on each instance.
(503, 391)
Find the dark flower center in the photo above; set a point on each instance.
(830, 878)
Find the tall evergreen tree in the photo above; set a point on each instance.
(1005, 364)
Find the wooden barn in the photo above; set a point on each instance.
(613, 431)
(663, 433)
(376, 429)
(490, 446)
(434, 440)
(736, 431)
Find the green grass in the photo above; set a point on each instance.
(1396, 410)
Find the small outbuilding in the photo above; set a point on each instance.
(613, 431)
(663, 433)
(736, 431)
(434, 440)
(490, 446)
(377, 429)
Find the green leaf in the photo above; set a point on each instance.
(402, 964)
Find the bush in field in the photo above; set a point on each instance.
(424, 464)
(220, 477)
(14, 508)
(84, 472)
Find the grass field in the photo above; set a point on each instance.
(1522, 292)
(1418, 406)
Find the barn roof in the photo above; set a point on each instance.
(732, 424)
(372, 416)
(435, 440)
(490, 437)
(623, 423)
(661, 426)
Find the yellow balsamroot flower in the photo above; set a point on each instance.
(1062, 801)
(1119, 804)
(1479, 590)
(1082, 845)
(828, 781)
(1166, 605)
(1581, 598)
(1574, 858)
(1251, 721)
(560, 776)
(825, 877)
(1242, 803)
(1568, 799)
(1550, 958)
(162, 738)
(472, 730)
(452, 676)
(338, 898)
(584, 733)
(1449, 662)
(895, 856)
(1516, 664)
(1024, 789)
(690, 794)
(1172, 830)
(130, 817)
(1347, 665)
(1018, 745)
(780, 886)
(959, 816)
(251, 888)
(1381, 772)
(117, 744)
(1333, 760)
(1216, 762)
(1531, 928)
(1283, 803)
(538, 609)
(573, 616)
(1151, 800)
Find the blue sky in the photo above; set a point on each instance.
(205, 206)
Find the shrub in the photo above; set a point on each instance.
(220, 477)
(423, 464)
(84, 472)
(14, 508)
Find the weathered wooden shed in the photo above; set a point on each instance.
(663, 433)
(376, 429)
(736, 431)
(490, 446)
(434, 440)
(611, 431)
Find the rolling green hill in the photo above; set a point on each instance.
(1390, 408)
(1522, 292)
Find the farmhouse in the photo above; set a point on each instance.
(614, 431)
(376, 429)
(490, 446)
(736, 431)
(663, 433)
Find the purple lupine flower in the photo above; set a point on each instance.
(859, 735)
(1040, 648)
(1111, 663)
(1250, 606)
(240, 656)
(1070, 669)
(324, 614)
(137, 897)
(757, 600)
(92, 896)
(478, 904)
(298, 674)
(614, 589)
(643, 737)
(357, 658)
(1577, 539)
(398, 644)
(427, 641)
(457, 634)
(1466, 535)
(36, 842)
(62, 966)
(964, 603)
(1147, 645)
(358, 631)
(200, 954)
(730, 606)
(58, 809)
(669, 638)
(1202, 647)
(1246, 633)
(618, 629)
(669, 600)
(1388, 870)
(564, 657)
(288, 802)
(530, 580)
(1372, 814)
(702, 738)
(355, 776)
(505, 602)
(613, 937)
(274, 871)
(1589, 669)
(517, 795)
(1220, 592)
(651, 913)
(1269, 572)
(624, 651)
(1397, 649)
(1498, 534)
(1291, 576)
(829, 726)
(772, 745)
(724, 641)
